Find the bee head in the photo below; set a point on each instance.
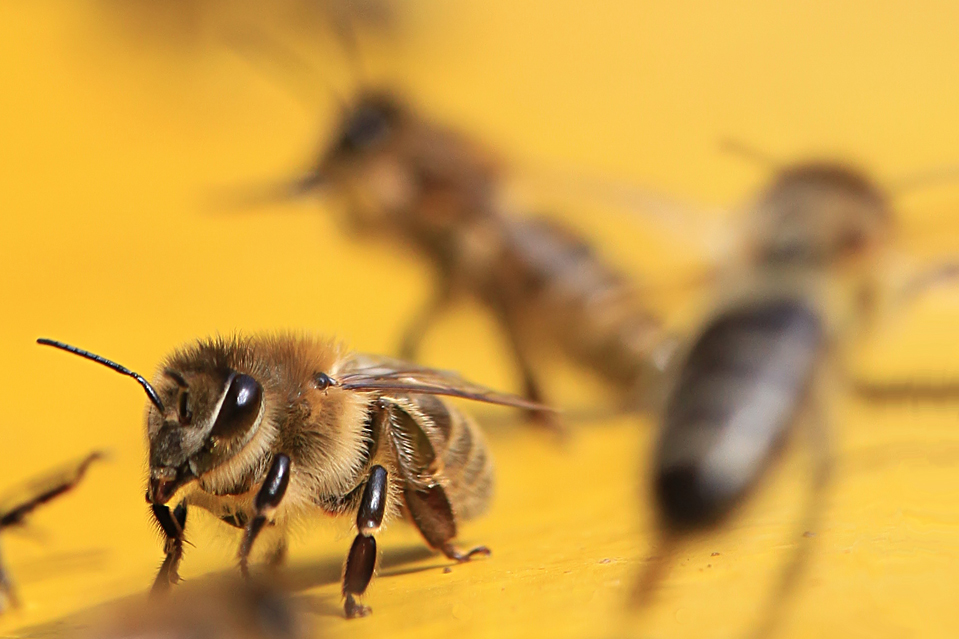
(367, 126)
(203, 411)
(819, 213)
(209, 414)
(364, 162)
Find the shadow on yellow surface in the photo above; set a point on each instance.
(118, 129)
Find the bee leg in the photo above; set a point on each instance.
(277, 556)
(362, 558)
(416, 329)
(173, 525)
(8, 593)
(267, 499)
(65, 482)
(531, 388)
(792, 571)
(431, 512)
(907, 391)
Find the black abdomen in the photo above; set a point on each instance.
(737, 395)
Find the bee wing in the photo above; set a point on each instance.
(20, 502)
(394, 375)
(712, 231)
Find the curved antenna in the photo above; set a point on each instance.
(342, 23)
(123, 370)
(745, 151)
(924, 179)
(291, 62)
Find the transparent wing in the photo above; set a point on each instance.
(712, 231)
(387, 374)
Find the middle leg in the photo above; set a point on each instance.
(362, 558)
(266, 502)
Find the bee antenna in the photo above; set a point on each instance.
(284, 56)
(123, 370)
(925, 179)
(745, 151)
(344, 31)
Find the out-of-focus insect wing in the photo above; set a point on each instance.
(394, 375)
(21, 501)
(708, 229)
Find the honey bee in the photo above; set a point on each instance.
(409, 180)
(810, 280)
(261, 430)
(18, 506)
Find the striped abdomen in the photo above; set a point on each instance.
(739, 391)
(459, 457)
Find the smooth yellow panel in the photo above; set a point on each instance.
(124, 126)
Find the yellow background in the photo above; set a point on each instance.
(123, 124)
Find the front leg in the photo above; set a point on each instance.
(172, 524)
(362, 558)
(266, 502)
(425, 316)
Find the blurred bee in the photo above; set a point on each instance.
(261, 430)
(16, 507)
(214, 609)
(409, 180)
(809, 281)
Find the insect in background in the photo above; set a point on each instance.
(262, 430)
(214, 608)
(809, 281)
(18, 505)
(413, 182)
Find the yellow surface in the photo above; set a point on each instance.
(121, 122)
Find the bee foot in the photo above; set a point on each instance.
(453, 553)
(354, 609)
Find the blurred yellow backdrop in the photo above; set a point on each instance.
(121, 122)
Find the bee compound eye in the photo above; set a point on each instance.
(367, 127)
(240, 406)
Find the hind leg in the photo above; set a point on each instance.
(431, 512)
(792, 571)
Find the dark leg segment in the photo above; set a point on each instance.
(359, 571)
(172, 524)
(433, 516)
(267, 499)
(362, 558)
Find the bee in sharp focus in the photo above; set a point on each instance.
(260, 430)
(405, 178)
(809, 281)
(15, 509)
